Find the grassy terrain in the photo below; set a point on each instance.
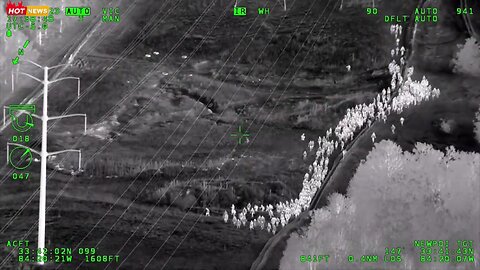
(185, 115)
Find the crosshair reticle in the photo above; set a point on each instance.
(241, 135)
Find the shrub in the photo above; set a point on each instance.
(226, 198)
(157, 196)
(185, 202)
(393, 199)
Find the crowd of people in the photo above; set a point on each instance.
(402, 93)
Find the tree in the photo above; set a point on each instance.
(395, 198)
(467, 60)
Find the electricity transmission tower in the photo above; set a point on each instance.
(44, 154)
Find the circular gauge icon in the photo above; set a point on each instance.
(22, 127)
(20, 158)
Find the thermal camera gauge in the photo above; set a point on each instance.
(24, 122)
(22, 127)
(20, 158)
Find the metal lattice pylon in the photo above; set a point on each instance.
(44, 154)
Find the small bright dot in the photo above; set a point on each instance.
(184, 57)
(156, 53)
(164, 73)
(148, 55)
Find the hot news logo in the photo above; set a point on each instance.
(16, 9)
(19, 9)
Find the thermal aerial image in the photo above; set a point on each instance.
(240, 134)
